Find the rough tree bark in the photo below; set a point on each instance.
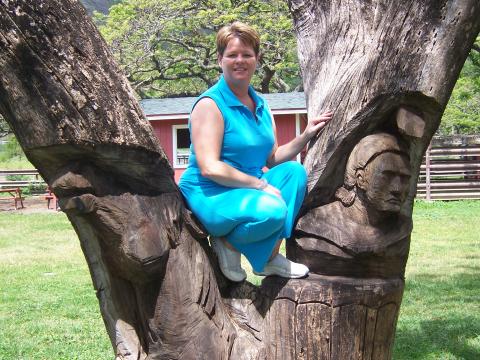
(160, 291)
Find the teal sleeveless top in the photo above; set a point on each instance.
(248, 138)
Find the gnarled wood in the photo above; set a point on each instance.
(160, 291)
(383, 67)
(364, 60)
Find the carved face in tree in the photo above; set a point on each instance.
(384, 181)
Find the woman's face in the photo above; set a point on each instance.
(238, 62)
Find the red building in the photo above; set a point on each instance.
(169, 118)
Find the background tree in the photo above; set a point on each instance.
(167, 48)
(462, 115)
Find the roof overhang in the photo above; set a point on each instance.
(167, 117)
(185, 116)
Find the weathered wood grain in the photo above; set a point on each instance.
(364, 59)
(160, 290)
(313, 323)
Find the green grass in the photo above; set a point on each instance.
(48, 309)
(440, 313)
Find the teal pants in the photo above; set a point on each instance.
(252, 220)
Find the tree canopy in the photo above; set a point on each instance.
(462, 115)
(167, 48)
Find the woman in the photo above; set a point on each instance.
(233, 137)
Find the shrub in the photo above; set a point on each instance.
(35, 188)
(17, 177)
(11, 149)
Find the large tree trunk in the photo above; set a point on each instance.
(382, 67)
(159, 287)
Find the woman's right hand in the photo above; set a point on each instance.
(272, 190)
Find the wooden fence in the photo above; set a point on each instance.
(33, 178)
(451, 169)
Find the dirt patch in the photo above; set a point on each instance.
(31, 204)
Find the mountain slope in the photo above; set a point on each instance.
(98, 5)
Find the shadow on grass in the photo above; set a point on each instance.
(437, 339)
(440, 318)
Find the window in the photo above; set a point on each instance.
(181, 145)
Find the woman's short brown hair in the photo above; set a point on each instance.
(244, 32)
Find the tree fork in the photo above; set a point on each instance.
(159, 287)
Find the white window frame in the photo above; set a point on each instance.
(174, 146)
(297, 132)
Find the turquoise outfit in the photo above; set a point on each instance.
(250, 219)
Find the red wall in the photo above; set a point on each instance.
(163, 130)
(285, 128)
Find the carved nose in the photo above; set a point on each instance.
(396, 186)
(396, 192)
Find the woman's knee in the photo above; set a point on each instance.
(272, 210)
(296, 170)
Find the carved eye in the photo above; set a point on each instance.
(388, 174)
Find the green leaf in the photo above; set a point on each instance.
(167, 47)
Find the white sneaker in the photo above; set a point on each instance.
(228, 260)
(283, 267)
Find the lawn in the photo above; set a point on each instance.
(48, 309)
(440, 313)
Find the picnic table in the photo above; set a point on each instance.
(15, 195)
(50, 197)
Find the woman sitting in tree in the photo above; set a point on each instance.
(233, 138)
